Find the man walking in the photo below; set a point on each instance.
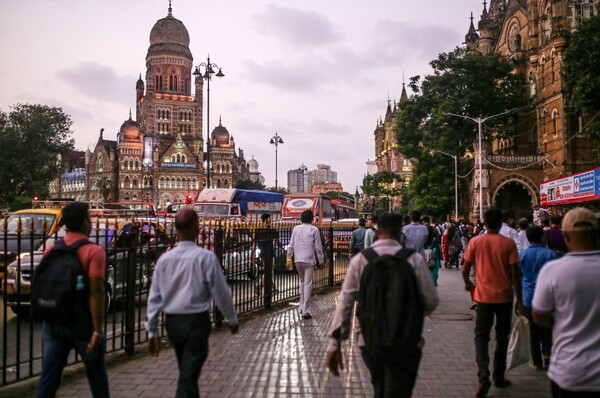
(554, 238)
(415, 234)
(532, 260)
(185, 281)
(497, 276)
(305, 249)
(85, 333)
(393, 370)
(506, 229)
(567, 297)
(357, 243)
(371, 233)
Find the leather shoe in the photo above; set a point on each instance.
(483, 388)
(501, 383)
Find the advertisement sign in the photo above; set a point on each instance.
(581, 187)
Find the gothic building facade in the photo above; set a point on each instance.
(546, 142)
(159, 157)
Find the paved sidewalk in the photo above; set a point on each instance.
(282, 355)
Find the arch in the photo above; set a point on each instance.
(555, 120)
(515, 185)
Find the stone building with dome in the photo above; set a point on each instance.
(160, 156)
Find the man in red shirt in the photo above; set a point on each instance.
(85, 333)
(497, 280)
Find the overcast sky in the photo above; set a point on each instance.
(317, 72)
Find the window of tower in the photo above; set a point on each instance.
(555, 120)
(159, 83)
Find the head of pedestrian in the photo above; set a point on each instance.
(362, 222)
(425, 219)
(415, 216)
(581, 230)
(523, 224)
(265, 218)
(555, 220)
(76, 218)
(389, 226)
(307, 217)
(534, 234)
(186, 224)
(492, 219)
(507, 216)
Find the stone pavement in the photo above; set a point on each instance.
(281, 355)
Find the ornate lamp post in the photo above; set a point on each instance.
(276, 140)
(209, 70)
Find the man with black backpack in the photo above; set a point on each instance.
(68, 296)
(394, 289)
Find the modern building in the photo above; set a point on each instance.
(297, 180)
(324, 187)
(160, 156)
(322, 174)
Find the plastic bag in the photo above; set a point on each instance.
(289, 264)
(519, 351)
(429, 257)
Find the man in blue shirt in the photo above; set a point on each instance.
(532, 260)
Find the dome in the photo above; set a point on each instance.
(220, 136)
(253, 165)
(169, 35)
(130, 130)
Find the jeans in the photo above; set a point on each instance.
(540, 339)
(188, 333)
(57, 343)
(393, 370)
(483, 325)
(305, 273)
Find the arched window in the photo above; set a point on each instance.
(126, 195)
(99, 162)
(555, 120)
(173, 158)
(127, 182)
(542, 73)
(218, 183)
(137, 165)
(135, 182)
(131, 165)
(543, 121)
(159, 83)
(532, 84)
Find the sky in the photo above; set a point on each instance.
(316, 72)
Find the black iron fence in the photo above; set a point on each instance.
(253, 259)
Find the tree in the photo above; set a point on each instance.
(104, 184)
(471, 85)
(582, 74)
(381, 187)
(31, 138)
(249, 184)
(280, 190)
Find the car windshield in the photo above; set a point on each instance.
(212, 209)
(28, 221)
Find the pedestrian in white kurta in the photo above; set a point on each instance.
(305, 249)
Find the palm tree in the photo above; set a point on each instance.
(104, 184)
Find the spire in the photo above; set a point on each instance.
(101, 133)
(471, 37)
(130, 114)
(484, 14)
(389, 106)
(170, 9)
(403, 96)
(219, 120)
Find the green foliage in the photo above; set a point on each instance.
(281, 190)
(380, 187)
(104, 184)
(469, 85)
(249, 184)
(31, 137)
(582, 74)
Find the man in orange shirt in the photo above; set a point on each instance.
(497, 280)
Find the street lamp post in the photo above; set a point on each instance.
(480, 121)
(209, 70)
(455, 157)
(276, 140)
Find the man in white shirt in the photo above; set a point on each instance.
(305, 249)
(506, 229)
(567, 298)
(185, 281)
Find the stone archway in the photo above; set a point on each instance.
(517, 194)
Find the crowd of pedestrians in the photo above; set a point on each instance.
(550, 275)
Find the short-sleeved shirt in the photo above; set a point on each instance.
(493, 255)
(92, 256)
(569, 289)
(532, 260)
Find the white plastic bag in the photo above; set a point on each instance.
(519, 351)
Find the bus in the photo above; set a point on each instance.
(140, 208)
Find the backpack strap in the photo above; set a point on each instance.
(370, 254)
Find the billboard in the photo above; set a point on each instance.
(580, 187)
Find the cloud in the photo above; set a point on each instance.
(297, 28)
(296, 77)
(99, 82)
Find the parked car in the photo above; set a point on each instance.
(238, 259)
(111, 235)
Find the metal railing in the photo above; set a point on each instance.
(252, 256)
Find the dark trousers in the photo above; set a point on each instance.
(188, 333)
(540, 339)
(393, 370)
(558, 392)
(483, 326)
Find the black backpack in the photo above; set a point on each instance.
(390, 311)
(58, 293)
